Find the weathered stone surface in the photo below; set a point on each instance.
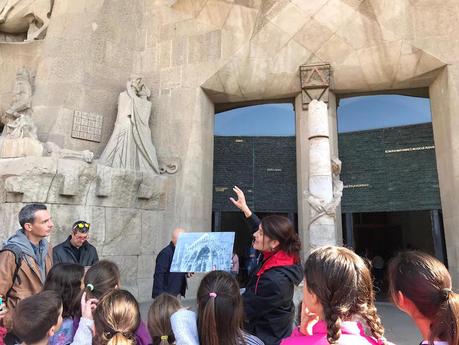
(122, 232)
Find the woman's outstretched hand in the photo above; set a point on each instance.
(240, 203)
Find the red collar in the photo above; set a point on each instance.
(275, 259)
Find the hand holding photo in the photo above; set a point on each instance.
(203, 252)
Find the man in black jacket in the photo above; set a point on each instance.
(173, 283)
(76, 248)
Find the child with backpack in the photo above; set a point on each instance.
(66, 279)
(338, 290)
(420, 285)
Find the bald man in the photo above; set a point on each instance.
(173, 283)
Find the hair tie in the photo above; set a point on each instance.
(90, 287)
(164, 337)
(212, 294)
(446, 292)
(382, 341)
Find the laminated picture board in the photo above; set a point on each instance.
(203, 252)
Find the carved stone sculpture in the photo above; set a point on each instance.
(322, 207)
(25, 16)
(19, 136)
(53, 150)
(130, 146)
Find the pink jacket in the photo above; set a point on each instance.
(352, 333)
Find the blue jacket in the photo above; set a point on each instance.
(173, 283)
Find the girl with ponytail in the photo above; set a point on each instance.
(159, 319)
(220, 312)
(337, 291)
(116, 319)
(420, 285)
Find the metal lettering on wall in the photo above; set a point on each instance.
(361, 185)
(410, 149)
(87, 126)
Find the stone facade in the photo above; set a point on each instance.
(195, 55)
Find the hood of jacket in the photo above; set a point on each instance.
(20, 239)
(293, 272)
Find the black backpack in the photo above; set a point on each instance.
(18, 256)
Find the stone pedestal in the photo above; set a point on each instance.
(20, 147)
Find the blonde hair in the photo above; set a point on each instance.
(116, 318)
(159, 315)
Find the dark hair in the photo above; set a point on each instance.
(220, 316)
(116, 318)
(65, 279)
(159, 315)
(82, 230)
(426, 282)
(34, 316)
(281, 229)
(27, 213)
(343, 285)
(101, 278)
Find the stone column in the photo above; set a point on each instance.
(444, 96)
(322, 195)
(322, 224)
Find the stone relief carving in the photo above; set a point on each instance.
(321, 207)
(130, 146)
(19, 136)
(315, 83)
(17, 119)
(29, 17)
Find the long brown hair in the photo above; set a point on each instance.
(159, 318)
(220, 312)
(116, 318)
(426, 282)
(281, 229)
(65, 279)
(101, 278)
(343, 285)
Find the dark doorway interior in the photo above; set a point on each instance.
(378, 236)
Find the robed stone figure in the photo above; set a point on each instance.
(130, 146)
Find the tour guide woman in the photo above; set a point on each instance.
(268, 305)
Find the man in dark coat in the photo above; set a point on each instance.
(173, 283)
(76, 248)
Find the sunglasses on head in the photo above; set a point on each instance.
(81, 227)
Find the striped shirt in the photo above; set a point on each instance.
(250, 339)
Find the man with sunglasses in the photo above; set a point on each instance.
(76, 248)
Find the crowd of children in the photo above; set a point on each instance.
(338, 306)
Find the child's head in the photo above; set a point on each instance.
(116, 318)
(420, 285)
(159, 319)
(338, 285)
(66, 280)
(101, 278)
(38, 317)
(220, 311)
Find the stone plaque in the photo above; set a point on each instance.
(315, 83)
(87, 126)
